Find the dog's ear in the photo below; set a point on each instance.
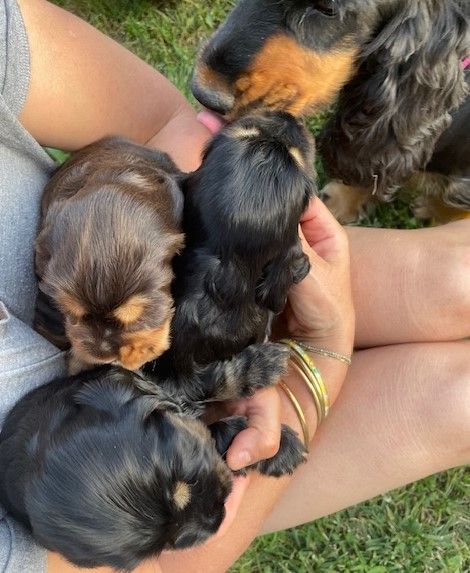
(396, 106)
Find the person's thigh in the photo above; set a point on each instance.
(411, 286)
(403, 414)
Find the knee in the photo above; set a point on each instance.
(451, 260)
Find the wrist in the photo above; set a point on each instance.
(333, 371)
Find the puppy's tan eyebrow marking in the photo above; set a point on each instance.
(181, 495)
(296, 154)
(134, 178)
(71, 305)
(132, 309)
(242, 132)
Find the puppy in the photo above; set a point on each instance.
(110, 228)
(109, 467)
(395, 68)
(241, 216)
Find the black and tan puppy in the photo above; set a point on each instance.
(110, 228)
(241, 216)
(110, 468)
(396, 69)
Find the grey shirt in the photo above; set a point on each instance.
(26, 359)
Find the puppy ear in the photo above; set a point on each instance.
(394, 109)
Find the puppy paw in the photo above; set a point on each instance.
(266, 363)
(257, 366)
(300, 268)
(291, 454)
(224, 431)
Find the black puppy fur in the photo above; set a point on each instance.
(110, 468)
(242, 254)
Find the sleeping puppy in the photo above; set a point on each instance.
(241, 216)
(110, 228)
(110, 468)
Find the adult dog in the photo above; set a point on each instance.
(396, 70)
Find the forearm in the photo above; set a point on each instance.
(84, 86)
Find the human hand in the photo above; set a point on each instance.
(320, 308)
(259, 441)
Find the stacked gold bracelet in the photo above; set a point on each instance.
(302, 362)
(305, 366)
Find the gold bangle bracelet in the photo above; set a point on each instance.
(316, 377)
(298, 410)
(313, 392)
(324, 352)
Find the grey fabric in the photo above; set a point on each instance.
(26, 359)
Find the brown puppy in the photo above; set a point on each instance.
(110, 228)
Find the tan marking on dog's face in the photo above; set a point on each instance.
(296, 154)
(144, 345)
(240, 132)
(286, 76)
(70, 305)
(181, 494)
(135, 179)
(131, 310)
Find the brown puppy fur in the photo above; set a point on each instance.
(110, 228)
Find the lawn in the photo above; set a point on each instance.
(423, 528)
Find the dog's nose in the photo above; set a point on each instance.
(212, 98)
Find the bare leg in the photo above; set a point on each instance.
(411, 286)
(403, 414)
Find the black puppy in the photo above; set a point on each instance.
(109, 467)
(241, 216)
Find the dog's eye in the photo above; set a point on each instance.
(326, 7)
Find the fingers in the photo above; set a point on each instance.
(261, 439)
(322, 231)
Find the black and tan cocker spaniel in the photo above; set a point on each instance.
(398, 71)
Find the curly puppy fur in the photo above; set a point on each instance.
(242, 254)
(110, 467)
(396, 65)
(110, 228)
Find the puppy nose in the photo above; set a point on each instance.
(212, 98)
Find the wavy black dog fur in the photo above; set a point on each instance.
(396, 65)
(110, 467)
(242, 254)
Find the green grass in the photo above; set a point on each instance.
(423, 528)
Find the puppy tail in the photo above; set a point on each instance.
(226, 283)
